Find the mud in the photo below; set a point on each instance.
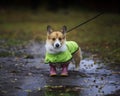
(23, 73)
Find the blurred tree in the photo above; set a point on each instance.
(54, 5)
(35, 4)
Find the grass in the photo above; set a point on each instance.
(101, 36)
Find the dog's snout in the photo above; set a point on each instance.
(57, 45)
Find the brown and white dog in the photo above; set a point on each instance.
(60, 52)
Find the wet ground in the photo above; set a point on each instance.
(23, 73)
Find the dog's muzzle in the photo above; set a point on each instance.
(57, 44)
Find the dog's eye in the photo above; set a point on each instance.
(60, 39)
(53, 39)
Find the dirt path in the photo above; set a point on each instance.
(27, 75)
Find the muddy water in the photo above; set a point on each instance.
(27, 75)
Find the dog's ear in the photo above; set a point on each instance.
(64, 29)
(49, 29)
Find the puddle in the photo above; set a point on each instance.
(91, 80)
(30, 77)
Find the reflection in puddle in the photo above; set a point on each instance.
(62, 90)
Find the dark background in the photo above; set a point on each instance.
(54, 5)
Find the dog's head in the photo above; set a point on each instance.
(56, 38)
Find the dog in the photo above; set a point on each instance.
(60, 52)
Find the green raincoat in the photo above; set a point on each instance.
(62, 57)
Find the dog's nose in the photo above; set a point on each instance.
(57, 45)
